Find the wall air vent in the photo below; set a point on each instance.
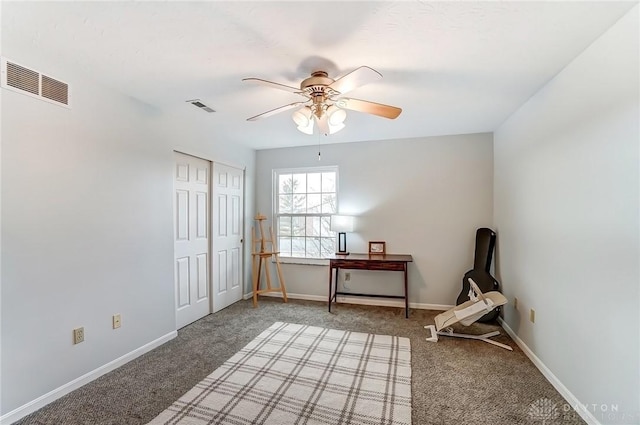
(55, 90)
(22, 78)
(199, 104)
(32, 83)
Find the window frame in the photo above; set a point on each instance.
(276, 172)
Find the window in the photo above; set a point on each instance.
(304, 201)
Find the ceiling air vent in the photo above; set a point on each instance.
(196, 102)
(27, 81)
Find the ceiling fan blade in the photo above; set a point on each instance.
(275, 111)
(274, 85)
(356, 78)
(379, 109)
(323, 124)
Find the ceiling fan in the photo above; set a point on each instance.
(324, 104)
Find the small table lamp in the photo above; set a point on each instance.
(342, 224)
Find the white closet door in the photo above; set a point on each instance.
(228, 225)
(191, 246)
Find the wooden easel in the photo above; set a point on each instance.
(262, 253)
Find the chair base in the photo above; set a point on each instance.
(449, 332)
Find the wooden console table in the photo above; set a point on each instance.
(388, 262)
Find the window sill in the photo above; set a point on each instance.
(304, 261)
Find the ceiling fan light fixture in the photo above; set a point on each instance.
(307, 129)
(336, 115)
(302, 117)
(334, 128)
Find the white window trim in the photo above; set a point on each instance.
(304, 261)
(274, 205)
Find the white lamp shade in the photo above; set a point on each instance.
(308, 129)
(302, 116)
(335, 128)
(342, 223)
(336, 115)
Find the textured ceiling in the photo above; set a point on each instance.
(454, 67)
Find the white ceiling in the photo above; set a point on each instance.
(454, 67)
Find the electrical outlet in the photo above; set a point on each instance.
(347, 277)
(78, 335)
(532, 316)
(117, 321)
(515, 303)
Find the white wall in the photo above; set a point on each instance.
(424, 197)
(87, 226)
(566, 211)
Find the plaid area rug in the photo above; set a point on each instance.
(295, 374)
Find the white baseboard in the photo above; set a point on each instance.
(294, 296)
(357, 300)
(53, 395)
(389, 303)
(571, 399)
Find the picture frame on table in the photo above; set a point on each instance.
(377, 248)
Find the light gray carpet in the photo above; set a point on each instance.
(453, 381)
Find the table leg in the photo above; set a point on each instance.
(330, 276)
(335, 287)
(406, 295)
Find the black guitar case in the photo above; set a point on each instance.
(485, 246)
